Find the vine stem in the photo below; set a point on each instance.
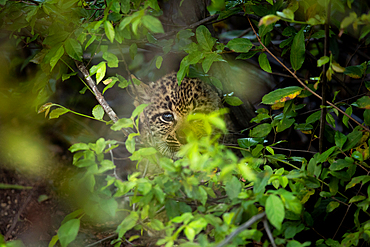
(304, 85)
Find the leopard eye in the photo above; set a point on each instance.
(167, 117)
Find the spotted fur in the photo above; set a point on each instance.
(162, 121)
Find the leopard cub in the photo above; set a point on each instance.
(163, 120)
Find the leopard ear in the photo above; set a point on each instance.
(141, 92)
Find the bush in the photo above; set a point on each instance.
(211, 197)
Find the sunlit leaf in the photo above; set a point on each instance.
(98, 112)
(268, 19)
(57, 112)
(323, 60)
(275, 211)
(68, 231)
(152, 23)
(158, 62)
(128, 223)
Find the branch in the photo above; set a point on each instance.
(303, 84)
(324, 82)
(245, 225)
(269, 234)
(99, 97)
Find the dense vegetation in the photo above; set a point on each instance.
(303, 179)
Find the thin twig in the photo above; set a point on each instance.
(268, 231)
(245, 225)
(303, 84)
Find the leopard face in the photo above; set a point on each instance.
(163, 120)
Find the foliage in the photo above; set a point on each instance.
(208, 194)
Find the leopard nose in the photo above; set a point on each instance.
(181, 136)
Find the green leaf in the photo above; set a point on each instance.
(297, 53)
(233, 188)
(284, 124)
(267, 20)
(325, 155)
(139, 109)
(345, 118)
(130, 142)
(73, 49)
(352, 139)
(122, 123)
(364, 179)
(100, 70)
(331, 206)
(340, 139)
(58, 112)
(56, 38)
(98, 112)
(159, 194)
(340, 164)
(275, 211)
(58, 54)
(68, 232)
(128, 223)
(209, 58)
(53, 241)
(323, 60)
(363, 102)
(264, 62)
(261, 130)
(158, 62)
(291, 202)
(31, 13)
(281, 95)
(111, 59)
(125, 6)
(233, 101)
(78, 146)
(356, 71)
(367, 117)
(204, 38)
(348, 20)
(189, 233)
(294, 243)
(239, 45)
(109, 30)
(152, 23)
(133, 50)
(249, 142)
(109, 206)
(356, 199)
(67, 76)
(287, 13)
